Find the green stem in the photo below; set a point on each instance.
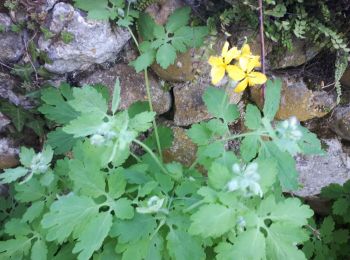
(148, 89)
(148, 150)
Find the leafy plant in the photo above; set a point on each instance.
(160, 43)
(106, 201)
(330, 238)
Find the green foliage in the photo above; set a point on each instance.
(329, 237)
(161, 43)
(341, 63)
(105, 201)
(67, 37)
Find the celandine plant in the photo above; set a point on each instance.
(104, 200)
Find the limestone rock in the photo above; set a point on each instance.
(94, 42)
(297, 100)
(183, 149)
(301, 53)
(132, 86)
(341, 122)
(8, 154)
(11, 43)
(316, 172)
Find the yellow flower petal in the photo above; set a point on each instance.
(215, 61)
(253, 63)
(233, 53)
(245, 50)
(225, 49)
(235, 72)
(241, 86)
(243, 63)
(256, 78)
(217, 73)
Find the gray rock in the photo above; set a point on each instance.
(341, 122)
(301, 53)
(4, 121)
(8, 154)
(94, 42)
(8, 91)
(316, 172)
(11, 43)
(132, 86)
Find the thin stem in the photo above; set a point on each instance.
(148, 89)
(262, 40)
(155, 158)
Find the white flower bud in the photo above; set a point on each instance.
(97, 140)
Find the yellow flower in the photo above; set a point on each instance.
(221, 64)
(246, 55)
(245, 74)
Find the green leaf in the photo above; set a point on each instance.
(88, 179)
(116, 184)
(219, 176)
(61, 141)
(166, 55)
(272, 98)
(209, 216)
(287, 174)
(218, 105)
(239, 250)
(116, 96)
(17, 114)
(92, 236)
(144, 61)
(56, 106)
(39, 250)
(252, 117)
(15, 227)
(123, 208)
(249, 147)
(29, 191)
(142, 122)
(166, 138)
(88, 100)
(15, 248)
(66, 215)
(84, 125)
(26, 156)
(135, 229)
(146, 25)
(178, 19)
(33, 212)
(11, 175)
(182, 246)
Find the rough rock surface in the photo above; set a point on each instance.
(4, 121)
(8, 154)
(297, 100)
(94, 41)
(183, 149)
(316, 172)
(341, 122)
(345, 79)
(11, 43)
(8, 92)
(189, 105)
(132, 86)
(301, 53)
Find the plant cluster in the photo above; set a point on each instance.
(106, 201)
(315, 21)
(330, 238)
